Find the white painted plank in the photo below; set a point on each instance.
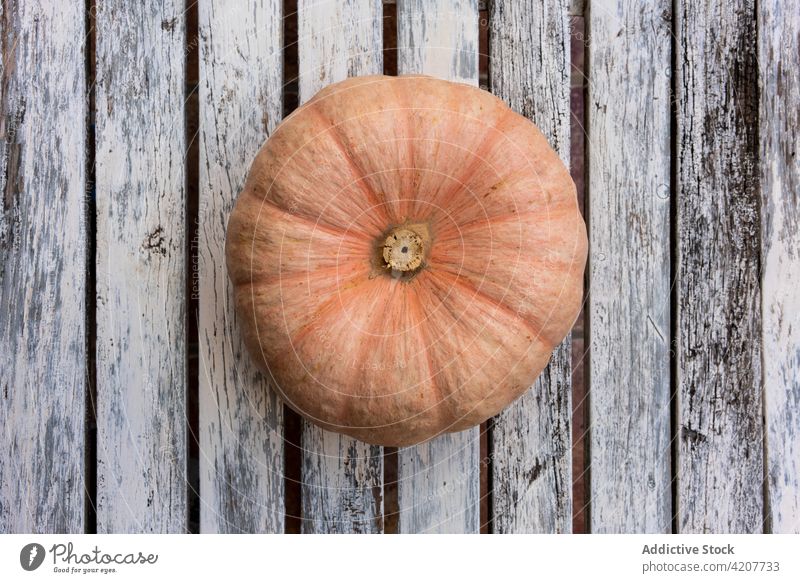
(629, 180)
(531, 440)
(438, 482)
(720, 452)
(576, 7)
(438, 38)
(240, 417)
(779, 45)
(342, 489)
(42, 267)
(141, 312)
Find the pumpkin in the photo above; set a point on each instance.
(405, 255)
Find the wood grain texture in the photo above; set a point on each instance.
(342, 488)
(720, 453)
(42, 267)
(438, 39)
(241, 419)
(438, 487)
(531, 440)
(629, 291)
(141, 311)
(576, 7)
(779, 46)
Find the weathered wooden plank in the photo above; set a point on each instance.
(342, 478)
(240, 417)
(779, 46)
(576, 7)
(438, 487)
(42, 267)
(629, 301)
(438, 39)
(720, 453)
(141, 312)
(531, 439)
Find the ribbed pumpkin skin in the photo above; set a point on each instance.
(351, 345)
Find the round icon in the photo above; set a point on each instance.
(31, 556)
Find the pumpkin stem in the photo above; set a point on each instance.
(404, 249)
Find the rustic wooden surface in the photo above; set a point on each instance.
(730, 75)
(342, 478)
(42, 267)
(779, 46)
(720, 454)
(240, 417)
(629, 275)
(576, 7)
(438, 39)
(529, 69)
(438, 487)
(141, 308)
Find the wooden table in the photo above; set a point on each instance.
(127, 403)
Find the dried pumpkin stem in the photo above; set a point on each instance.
(404, 249)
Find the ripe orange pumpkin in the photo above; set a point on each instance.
(405, 255)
